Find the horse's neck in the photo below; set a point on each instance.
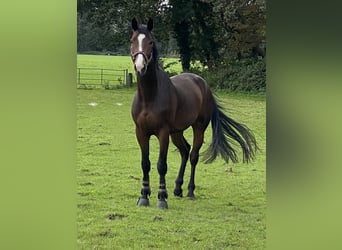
(148, 83)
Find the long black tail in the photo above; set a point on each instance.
(225, 133)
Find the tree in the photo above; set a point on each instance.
(181, 15)
(104, 25)
(242, 25)
(205, 44)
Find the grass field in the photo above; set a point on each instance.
(230, 207)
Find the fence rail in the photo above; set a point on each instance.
(105, 78)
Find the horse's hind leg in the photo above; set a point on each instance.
(184, 149)
(194, 155)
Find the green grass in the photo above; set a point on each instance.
(229, 210)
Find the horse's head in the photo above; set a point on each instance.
(142, 45)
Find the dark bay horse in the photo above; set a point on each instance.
(166, 106)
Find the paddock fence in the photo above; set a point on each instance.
(103, 78)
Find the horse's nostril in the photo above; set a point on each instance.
(140, 69)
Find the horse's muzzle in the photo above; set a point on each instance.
(140, 69)
(140, 61)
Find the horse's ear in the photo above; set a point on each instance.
(134, 24)
(150, 24)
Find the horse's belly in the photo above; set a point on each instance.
(183, 121)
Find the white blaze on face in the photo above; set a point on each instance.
(139, 62)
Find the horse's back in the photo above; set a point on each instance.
(190, 85)
(195, 99)
(188, 79)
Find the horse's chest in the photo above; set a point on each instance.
(148, 119)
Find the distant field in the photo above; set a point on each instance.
(118, 62)
(105, 62)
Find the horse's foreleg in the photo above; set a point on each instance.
(146, 166)
(163, 137)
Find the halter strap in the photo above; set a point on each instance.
(143, 54)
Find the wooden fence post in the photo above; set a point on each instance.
(79, 76)
(129, 80)
(101, 76)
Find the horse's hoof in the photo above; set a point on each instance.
(190, 197)
(162, 204)
(178, 192)
(143, 202)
